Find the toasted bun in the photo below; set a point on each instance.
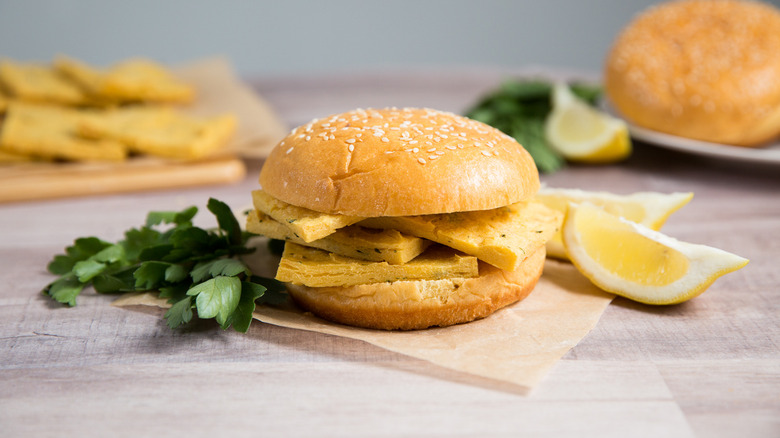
(707, 70)
(398, 162)
(411, 305)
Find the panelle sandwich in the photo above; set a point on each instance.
(403, 218)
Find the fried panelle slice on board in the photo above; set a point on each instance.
(161, 131)
(39, 83)
(133, 80)
(52, 133)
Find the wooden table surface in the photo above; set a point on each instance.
(709, 367)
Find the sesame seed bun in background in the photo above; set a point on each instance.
(406, 162)
(706, 70)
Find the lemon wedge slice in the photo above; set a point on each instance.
(638, 263)
(580, 132)
(650, 209)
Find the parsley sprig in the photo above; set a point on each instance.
(193, 268)
(519, 107)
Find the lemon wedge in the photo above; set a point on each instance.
(650, 209)
(580, 132)
(638, 263)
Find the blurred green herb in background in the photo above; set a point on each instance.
(519, 108)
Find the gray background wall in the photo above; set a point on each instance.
(296, 36)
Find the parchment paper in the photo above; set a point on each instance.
(518, 344)
(220, 91)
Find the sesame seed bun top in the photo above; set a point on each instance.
(398, 162)
(707, 70)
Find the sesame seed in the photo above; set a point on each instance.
(486, 153)
(308, 137)
(421, 160)
(352, 148)
(290, 150)
(350, 140)
(385, 139)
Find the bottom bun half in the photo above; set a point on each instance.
(411, 305)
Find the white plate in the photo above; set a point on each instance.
(765, 154)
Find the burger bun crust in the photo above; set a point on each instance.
(413, 305)
(705, 70)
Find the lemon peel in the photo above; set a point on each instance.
(650, 209)
(636, 262)
(580, 132)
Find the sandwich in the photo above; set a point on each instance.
(403, 219)
(705, 70)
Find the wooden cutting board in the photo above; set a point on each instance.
(46, 181)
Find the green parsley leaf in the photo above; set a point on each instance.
(110, 254)
(217, 298)
(175, 292)
(155, 252)
(85, 270)
(242, 316)
(221, 267)
(86, 247)
(65, 290)
(136, 240)
(226, 220)
(122, 281)
(171, 217)
(150, 275)
(180, 313)
(191, 267)
(275, 291)
(196, 241)
(61, 264)
(175, 273)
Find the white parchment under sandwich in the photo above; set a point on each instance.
(518, 344)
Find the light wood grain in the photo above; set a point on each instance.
(23, 183)
(706, 368)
